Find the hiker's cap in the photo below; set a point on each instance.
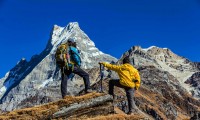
(71, 40)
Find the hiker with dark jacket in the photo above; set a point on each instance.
(74, 67)
(129, 80)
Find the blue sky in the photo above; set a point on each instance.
(114, 25)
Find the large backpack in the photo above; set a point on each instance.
(62, 56)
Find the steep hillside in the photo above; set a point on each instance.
(160, 96)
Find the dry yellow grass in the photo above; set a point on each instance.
(44, 111)
(151, 98)
(118, 117)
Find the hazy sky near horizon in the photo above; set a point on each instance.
(113, 25)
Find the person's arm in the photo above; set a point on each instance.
(110, 66)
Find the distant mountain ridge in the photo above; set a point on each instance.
(165, 60)
(170, 87)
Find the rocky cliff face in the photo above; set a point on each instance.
(165, 60)
(167, 98)
(194, 81)
(39, 79)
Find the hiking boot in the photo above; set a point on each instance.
(89, 91)
(68, 95)
(114, 97)
(133, 112)
(129, 113)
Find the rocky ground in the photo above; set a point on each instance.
(94, 106)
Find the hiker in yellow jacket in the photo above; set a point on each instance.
(129, 80)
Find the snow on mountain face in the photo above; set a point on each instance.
(165, 60)
(28, 79)
(89, 53)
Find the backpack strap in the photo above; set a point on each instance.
(64, 56)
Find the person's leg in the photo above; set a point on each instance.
(112, 83)
(84, 75)
(65, 76)
(131, 103)
(63, 84)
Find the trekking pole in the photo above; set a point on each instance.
(101, 75)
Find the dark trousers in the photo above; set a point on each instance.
(65, 77)
(129, 93)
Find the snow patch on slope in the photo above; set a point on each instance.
(146, 49)
(44, 83)
(182, 76)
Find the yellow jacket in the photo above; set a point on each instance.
(127, 73)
